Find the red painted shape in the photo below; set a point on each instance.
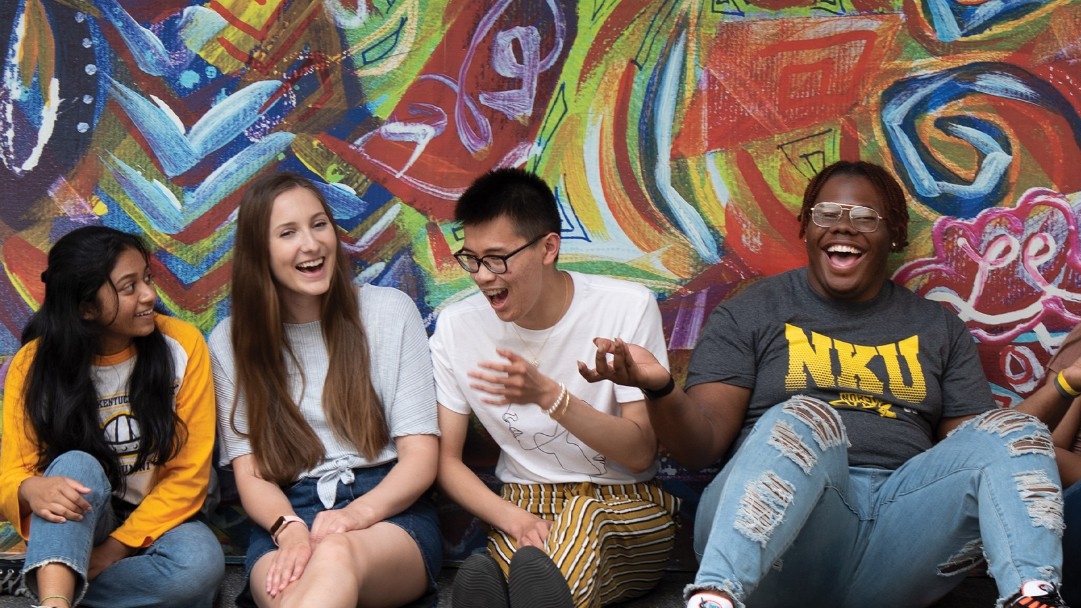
(767, 242)
(764, 78)
(466, 135)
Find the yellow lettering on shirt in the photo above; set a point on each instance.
(893, 354)
(807, 357)
(812, 358)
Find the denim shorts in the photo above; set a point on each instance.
(420, 520)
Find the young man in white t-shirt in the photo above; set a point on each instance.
(579, 520)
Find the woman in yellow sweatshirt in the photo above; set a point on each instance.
(108, 435)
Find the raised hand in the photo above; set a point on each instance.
(515, 381)
(626, 364)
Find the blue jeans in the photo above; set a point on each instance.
(788, 523)
(183, 568)
(1071, 546)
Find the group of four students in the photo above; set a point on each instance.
(863, 460)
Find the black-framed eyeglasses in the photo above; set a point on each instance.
(827, 215)
(495, 263)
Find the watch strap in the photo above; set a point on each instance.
(280, 524)
(661, 392)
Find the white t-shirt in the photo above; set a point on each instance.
(535, 448)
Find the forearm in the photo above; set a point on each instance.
(1069, 466)
(683, 429)
(1048, 403)
(18, 452)
(462, 485)
(407, 480)
(626, 439)
(182, 482)
(1065, 434)
(263, 501)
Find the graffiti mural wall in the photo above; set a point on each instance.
(679, 136)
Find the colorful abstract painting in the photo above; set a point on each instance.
(678, 135)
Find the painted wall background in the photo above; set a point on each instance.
(679, 136)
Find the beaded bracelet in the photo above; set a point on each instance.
(1063, 387)
(555, 404)
(557, 412)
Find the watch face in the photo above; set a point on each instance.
(277, 524)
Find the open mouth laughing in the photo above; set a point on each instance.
(496, 297)
(843, 256)
(311, 267)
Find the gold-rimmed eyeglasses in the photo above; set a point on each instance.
(828, 214)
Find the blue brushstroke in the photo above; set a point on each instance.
(953, 20)
(906, 103)
(178, 151)
(171, 216)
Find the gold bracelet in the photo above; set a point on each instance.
(555, 404)
(55, 597)
(558, 412)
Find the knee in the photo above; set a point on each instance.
(85, 469)
(1019, 432)
(194, 583)
(803, 428)
(334, 549)
(192, 565)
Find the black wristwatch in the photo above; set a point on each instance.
(661, 392)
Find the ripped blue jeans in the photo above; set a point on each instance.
(182, 569)
(788, 523)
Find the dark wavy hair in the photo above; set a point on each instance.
(893, 197)
(61, 400)
(283, 443)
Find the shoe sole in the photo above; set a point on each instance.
(479, 584)
(536, 582)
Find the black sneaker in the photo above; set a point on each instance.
(536, 582)
(11, 578)
(479, 584)
(1037, 594)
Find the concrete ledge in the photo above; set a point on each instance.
(975, 592)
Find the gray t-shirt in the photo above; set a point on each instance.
(401, 372)
(893, 367)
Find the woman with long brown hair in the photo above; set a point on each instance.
(326, 409)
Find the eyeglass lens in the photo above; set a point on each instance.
(827, 215)
(497, 264)
(471, 263)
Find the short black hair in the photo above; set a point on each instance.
(883, 181)
(518, 194)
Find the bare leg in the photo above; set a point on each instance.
(55, 579)
(386, 570)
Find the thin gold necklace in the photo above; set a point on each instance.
(535, 361)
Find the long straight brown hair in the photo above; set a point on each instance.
(283, 443)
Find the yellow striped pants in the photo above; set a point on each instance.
(611, 542)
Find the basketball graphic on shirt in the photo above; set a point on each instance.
(122, 434)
